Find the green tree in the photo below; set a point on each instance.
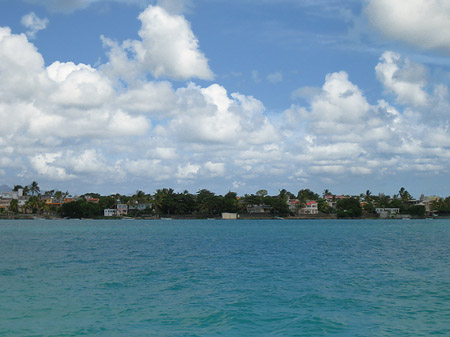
(306, 194)
(230, 203)
(207, 202)
(369, 208)
(278, 205)
(404, 195)
(348, 208)
(34, 188)
(14, 206)
(81, 209)
(261, 193)
(417, 211)
(35, 204)
(324, 207)
(24, 188)
(165, 202)
(326, 192)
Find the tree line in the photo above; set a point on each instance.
(204, 203)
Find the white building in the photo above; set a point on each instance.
(122, 209)
(387, 212)
(109, 212)
(230, 216)
(311, 207)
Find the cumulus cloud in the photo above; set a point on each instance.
(34, 24)
(341, 133)
(420, 23)
(403, 77)
(209, 115)
(46, 165)
(74, 122)
(168, 48)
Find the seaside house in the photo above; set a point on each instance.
(385, 213)
(4, 204)
(311, 208)
(293, 205)
(122, 209)
(109, 212)
(140, 206)
(259, 209)
(230, 216)
(333, 199)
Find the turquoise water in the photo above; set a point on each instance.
(217, 278)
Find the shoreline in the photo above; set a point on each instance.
(242, 217)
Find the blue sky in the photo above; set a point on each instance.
(116, 96)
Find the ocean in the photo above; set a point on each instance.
(225, 278)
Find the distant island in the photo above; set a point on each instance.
(29, 202)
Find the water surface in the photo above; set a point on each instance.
(225, 278)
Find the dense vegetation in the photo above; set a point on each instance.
(166, 203)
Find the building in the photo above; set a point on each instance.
(293, 205)
(259, 209)
(230, 216)
(109, 212)
(122, 209)
(311, 207)
(387, 212)
(333, 199)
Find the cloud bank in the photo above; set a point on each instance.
(118, 127)
(420, 23)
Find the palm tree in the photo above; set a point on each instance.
(14, 206)
(326, 192)
(404, 195)
(34, 188)
(35, 204)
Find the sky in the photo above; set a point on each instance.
(114, 96)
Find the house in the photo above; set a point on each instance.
(259, 209)
(332, 199)
(140, 206)
(4, 204)
(293, 205)
(122, 209)
(12, 195)
(230, 216)
(109, 212)
(428, 202)
(311, 207)
(387, 212)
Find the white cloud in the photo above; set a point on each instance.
(210, 116)
(403, 77)
(34, 24)
(46, 165)
(168, 48)
(187, 171)
(78, 85)
(421, 23)
(68, 6)
(70, 121)
(215, 169)
(342, 134)
(275, 78)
